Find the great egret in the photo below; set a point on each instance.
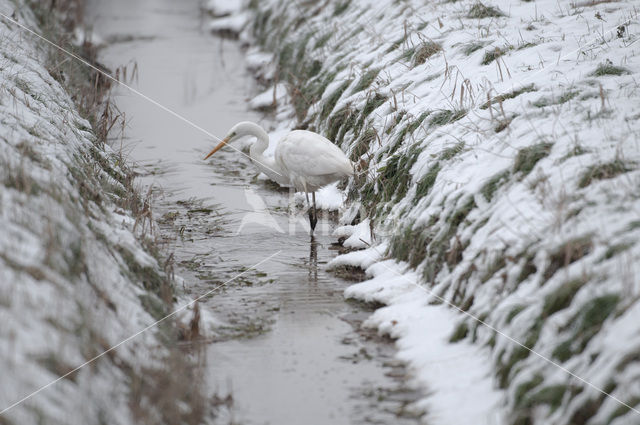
(303, 159)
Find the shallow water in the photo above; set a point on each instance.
(287, 347)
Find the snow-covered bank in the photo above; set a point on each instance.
(499, 148)
(458, 375)
(77, 269)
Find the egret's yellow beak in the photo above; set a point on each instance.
(217, 148)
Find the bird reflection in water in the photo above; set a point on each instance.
(313, 261)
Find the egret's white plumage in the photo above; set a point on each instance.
(303, 159)
(311, 161)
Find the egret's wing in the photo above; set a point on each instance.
(308, 154)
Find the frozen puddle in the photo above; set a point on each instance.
(282, 339)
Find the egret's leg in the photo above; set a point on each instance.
(310, 212)
(313, 220)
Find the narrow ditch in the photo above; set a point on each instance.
(281, 340)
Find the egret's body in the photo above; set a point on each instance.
(303, 159)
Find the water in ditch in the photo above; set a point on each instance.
(281, 339)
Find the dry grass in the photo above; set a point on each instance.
(171, 392)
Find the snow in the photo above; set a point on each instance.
(328, 198)
(223, 7)
(67, 290)
(458, 374)
(269, 98)
(358, 236)
(82, 35)
(361, 258)
(231, 24)
(256, 60)
(588, 120)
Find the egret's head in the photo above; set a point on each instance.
(239, 130)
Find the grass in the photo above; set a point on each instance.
(410, 244)
(528, 157)
(19, 179)
(492, 54)
(491, 187)
(563, 351)
(576, 150)
(451, 152)
(428, 245)
(331, 101)
(528, 268)
(394, 178)
(615, 249)
(504, 368)
(461, 214)
(158, 394)
(366, 80)
(604, 171)
(518, 354)
(341, 7)
(481, 11)
(525, 388)
(426, 182)
(461, 331)
(496, 265)
(526, 45)
(623, 410)
(595, 312)
(57, 366)
(608, 68)
(548, 101)
(551, 395)
(409, 128)
(424, 51)
(322, 40)
(472, 46)
(407, 54)
(170, 391)
(395, 45)
(586, 324)
(502, 125)
(321, 82)
(446, 116)
(343, 117)
(372, 103)
(361, 146)
(568, 253)
(510, 95)
(148, 277)
(514, 312)
(397, 118)
(562, 297)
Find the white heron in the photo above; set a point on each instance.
(303, 159)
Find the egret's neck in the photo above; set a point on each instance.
(265, 164)
(257, 149)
